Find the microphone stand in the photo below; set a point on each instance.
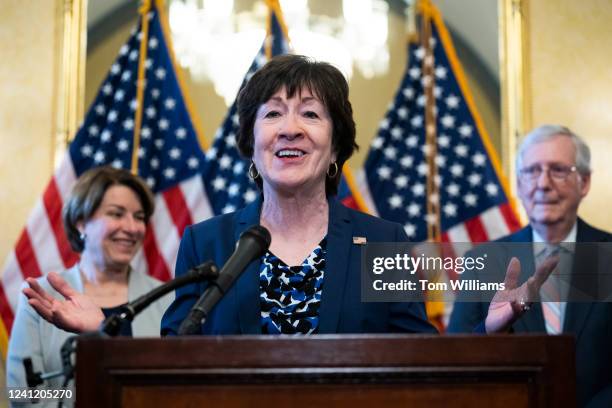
(110, 326)
(34, 378)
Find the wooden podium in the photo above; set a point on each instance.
(327, 370)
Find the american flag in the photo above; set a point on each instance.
(228, 185)
(226, 173)
(431, 166)
(467, 187)
(169, 159)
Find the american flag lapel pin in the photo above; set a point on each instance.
(359, 240)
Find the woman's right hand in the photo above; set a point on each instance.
(77, 313)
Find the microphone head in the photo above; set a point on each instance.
(260, 234)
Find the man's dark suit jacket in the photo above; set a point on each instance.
(341, 308)
(590, 323)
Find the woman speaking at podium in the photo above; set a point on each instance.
(297, 129)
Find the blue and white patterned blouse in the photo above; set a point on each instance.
(290, 296)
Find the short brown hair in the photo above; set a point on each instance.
(294, 73)
(87, 195)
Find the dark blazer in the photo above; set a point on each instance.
(590, 323)
(341, 308)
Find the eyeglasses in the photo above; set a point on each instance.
(557, 172)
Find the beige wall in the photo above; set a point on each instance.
(28, 33)
(27, 41)
(570, 83)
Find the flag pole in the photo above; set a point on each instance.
(434, 305)
(433, 192)
(143, 10)
(274, 8)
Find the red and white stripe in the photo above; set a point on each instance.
(43, 247)
(489, 225)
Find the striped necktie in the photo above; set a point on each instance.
(550, 293)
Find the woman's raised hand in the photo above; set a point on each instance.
(77, 313)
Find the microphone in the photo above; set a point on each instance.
(112, 325)
(253, 243)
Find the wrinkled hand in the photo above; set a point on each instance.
(77, 314)
(512, 302)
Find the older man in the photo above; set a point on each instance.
(554, 175)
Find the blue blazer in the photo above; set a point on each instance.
(589, 322)
(341, 309)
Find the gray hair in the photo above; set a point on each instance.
(547, 132)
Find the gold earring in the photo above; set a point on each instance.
(253, 173)
(335, 172)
